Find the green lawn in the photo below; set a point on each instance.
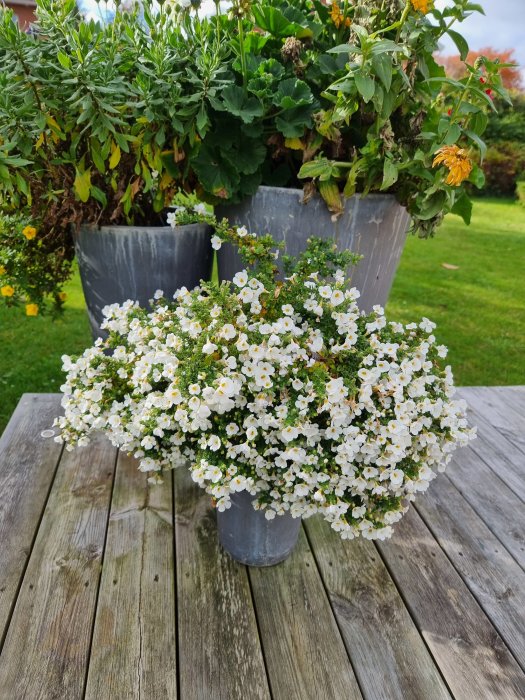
(479, 308)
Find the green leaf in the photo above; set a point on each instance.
(82, 184)
(64, 60)
(390, 174)
(316, 168)
(382, 65)
(365, 84)
(432, 205)
(460, 42)
(453, 134)
(237, 102)
(479, 143)
(217, 176)
(293, 122)
(292, 93)
(272, 20)
(463, 207)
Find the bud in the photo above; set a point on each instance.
(480, 61)
(291, 49)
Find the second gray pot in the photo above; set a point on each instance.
(374, 226)
(118, 263)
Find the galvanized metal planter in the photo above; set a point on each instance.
(374, 226)
(250, 538)
(118, 263)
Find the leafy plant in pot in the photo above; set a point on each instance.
(92, 118)
(334, 101)
(284, 397)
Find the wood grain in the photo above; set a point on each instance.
(389, 656)
(469, 652)
(499, 411)
(492, 575)
(45, 654)
(505, 460)
(496, 504)
(27, 469)
(220, 655)
(134, 643)
(514, 395)
(305, 658)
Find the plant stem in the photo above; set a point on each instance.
(242, 51)
(458, 105)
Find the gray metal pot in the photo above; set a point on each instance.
(250, 538)
(374, 226)
(118, 263)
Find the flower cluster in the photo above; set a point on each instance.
(182, 215)
(32, 271)
(277, 386)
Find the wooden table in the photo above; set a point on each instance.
(101, 597)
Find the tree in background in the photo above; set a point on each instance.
(511, 75)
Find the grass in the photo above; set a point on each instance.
(479, 308)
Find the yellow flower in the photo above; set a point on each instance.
(337, 16)
(31, 309)
(62, 296)
(456, 159)
(29, 232)
(2, 270)
(423, 6)
(7, 290)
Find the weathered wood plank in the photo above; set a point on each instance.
(499, 411)
(390, 658)
(469, 652)
(514, 395)
(305, 654)
(46, 649)
(495, 503)
(27, 469)
(505, 460)
(220, 655)
(134, 642)
(491, 574)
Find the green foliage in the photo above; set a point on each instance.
(504, 162)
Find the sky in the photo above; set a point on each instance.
(502, 27)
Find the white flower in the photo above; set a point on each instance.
(240, 278)
(287, 309)
(216, 242)
(227, 331)
(200, 208)
(214, 443)
(325, 292)
(209, 348)
(242, 231)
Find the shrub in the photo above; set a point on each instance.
(503, 163)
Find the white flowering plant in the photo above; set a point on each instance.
(275, 385)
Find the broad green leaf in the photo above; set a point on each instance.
(463, 207)
(460, 42)
(382, 65)
(237, 102)
(453, 134)
(479, 143)
(390, 174)
(432, 205)
(316, 168)
(293, 93)
(365, 84)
